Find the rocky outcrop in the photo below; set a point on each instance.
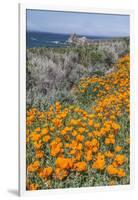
(73, 39)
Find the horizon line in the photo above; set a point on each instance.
(37, 31)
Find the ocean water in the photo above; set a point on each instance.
(39, 39)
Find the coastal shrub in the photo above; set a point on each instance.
(50, 71)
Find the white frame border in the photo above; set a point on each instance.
(22, 96)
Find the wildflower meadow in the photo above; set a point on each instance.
(82, 140)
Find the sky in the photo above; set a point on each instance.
(79, 23)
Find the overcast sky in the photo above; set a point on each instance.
(79, 23)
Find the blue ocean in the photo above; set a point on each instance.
(41, 39)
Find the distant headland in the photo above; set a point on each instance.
(84, 40)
